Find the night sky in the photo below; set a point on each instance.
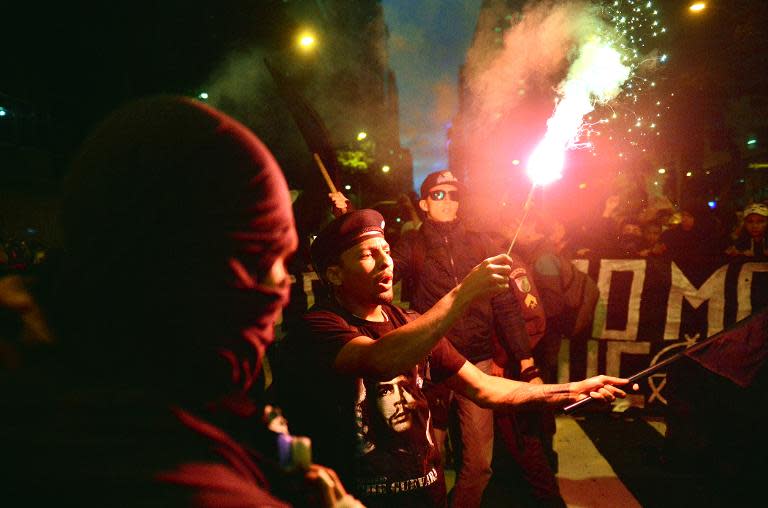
(714, 81)
(429, 40)
(76, 61)
(428, 43)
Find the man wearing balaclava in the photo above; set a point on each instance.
(177, 223)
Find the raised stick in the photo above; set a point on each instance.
(324, 171)
(526, 207)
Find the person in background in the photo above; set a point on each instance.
(430, 263)
(751, 241)
(23, 327)
(567, 297)
(177, 224)
(522, 464)
(696, 238)
(413, 222)
(630, 238)
(600, 233)
(651, 245)
(683, 235)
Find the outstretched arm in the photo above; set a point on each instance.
(404, 347)
(500, 393)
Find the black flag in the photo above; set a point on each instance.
(311, 126)
(737, 353)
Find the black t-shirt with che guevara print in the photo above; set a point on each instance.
(376, 433)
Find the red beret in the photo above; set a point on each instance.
(342, 233)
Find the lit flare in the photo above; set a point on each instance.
(596, 76)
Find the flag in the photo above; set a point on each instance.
(737, 353)
(311, 126)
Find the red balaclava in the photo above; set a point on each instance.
(165, 198)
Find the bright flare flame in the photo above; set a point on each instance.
(546, 162)
(595, 76)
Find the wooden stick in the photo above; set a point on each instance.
(324, 171)
(654, 368)
(526, 207)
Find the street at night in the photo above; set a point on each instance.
(384, 253)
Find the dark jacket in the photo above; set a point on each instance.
(756, 250)
(547, 266)
(432, 261)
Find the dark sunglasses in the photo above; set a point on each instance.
(439, 195)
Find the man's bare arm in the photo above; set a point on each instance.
(404, 347)
(499, 393)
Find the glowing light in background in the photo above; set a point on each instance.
(361, 135)
(697, 7)
(385, 168)
(306, 40)
(203, 96)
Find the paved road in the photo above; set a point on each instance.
(619, 461)
(586, 477)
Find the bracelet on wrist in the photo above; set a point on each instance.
(530, 373)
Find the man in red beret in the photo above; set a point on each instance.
(357, 364)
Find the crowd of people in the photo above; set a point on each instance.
(667, 233)
(133, 373)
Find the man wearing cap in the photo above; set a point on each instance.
(430, 263)
(751, 242)
(348, 353)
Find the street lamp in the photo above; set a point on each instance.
(307, 41)
(385, 168)
(697, 7)
(362, 135)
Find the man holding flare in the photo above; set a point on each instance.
(358, 339)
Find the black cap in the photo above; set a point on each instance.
(342, 233)
(439, 178)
